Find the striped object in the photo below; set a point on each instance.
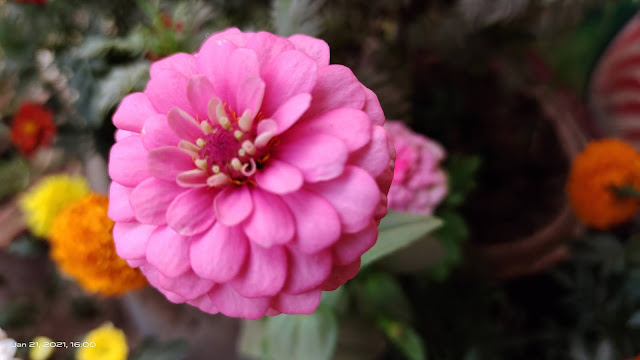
(615, 86)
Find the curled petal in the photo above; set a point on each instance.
(119, 207)
(279, 177)
(131, 239)
(132, 112)
(188, 285)
(167, 162)
(340, 275)
(230, 303)
(157, 133)
(127, 161)
(354, 195)
(350, 247)
(316, 49)
(219, 254)
(192, 212)
(305, 303)
(151, 198)
(233, 205)
(168, 252)
(336, 87)
(271, 222)
(265, 273)
(319, 157)
(307, 272)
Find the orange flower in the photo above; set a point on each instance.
(601, 167)
(83, 248)
(32, 127)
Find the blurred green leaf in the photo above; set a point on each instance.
(152, 349)
(297, 17)
(380, 294)
(451, 236)
(398, 230)
(17, 314)
(251, 341)
(405, 338)
(461, 173)
(309, 337)
(14, 176)
(28, 247)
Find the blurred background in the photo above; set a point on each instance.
(501, 268)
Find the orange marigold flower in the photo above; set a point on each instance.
(32, 127)
(601, 167)
(83, 248)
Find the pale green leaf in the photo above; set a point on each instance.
(309, 337)
(397, 231)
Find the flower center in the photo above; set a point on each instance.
(230, 149)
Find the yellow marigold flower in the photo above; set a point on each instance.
(40, 352)
(47, 199)
(83, 248)
(110, 344)
(601, 167)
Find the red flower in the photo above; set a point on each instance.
(32, 127)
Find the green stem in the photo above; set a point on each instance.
(626, 191)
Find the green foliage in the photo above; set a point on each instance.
(17, 313)
(398, 230)
(405, 338)
(297, 17)
(152, 349)
(14, 176)
(27, 246)
(292, 337)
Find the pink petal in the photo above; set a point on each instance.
(234, 35)
(127, 161)
(289, 112)
(307, 272)
(340, 275)
(121, 134)
(305, 303)
(265, 272)
(230, 303)
(213, 60)
(350, 247)
(243, 65)
(204, 303)
(157, 133)
(168, 85)
(119, 208)
(168, 252)
(132, 112)
(167, 162)
(290, 74)
(199, 92)
(279, 177)
(183, 125)
(249, 95)
(219, 254)
(131, 239)
(233, 205)
(354, 195)
(180, 62)
(151, 198)
(336, 87)
(271, 222)
(319, 156)
(351, 126)
(372, 107)
(192, 211)
(317, 222)
(316, 49)
(171, 296)
(375, 157)
(188, 285)
(268, 46)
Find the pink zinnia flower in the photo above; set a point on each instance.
(419, 184)
(250, 176)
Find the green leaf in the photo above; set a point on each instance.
(397, 231)
(28, 247)
(17, 314)
(297, 17)
(14, 176)
(251, 343)
(461, 174)
(309, 337)
(152, 349)
(405, 338)
(380, 294)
